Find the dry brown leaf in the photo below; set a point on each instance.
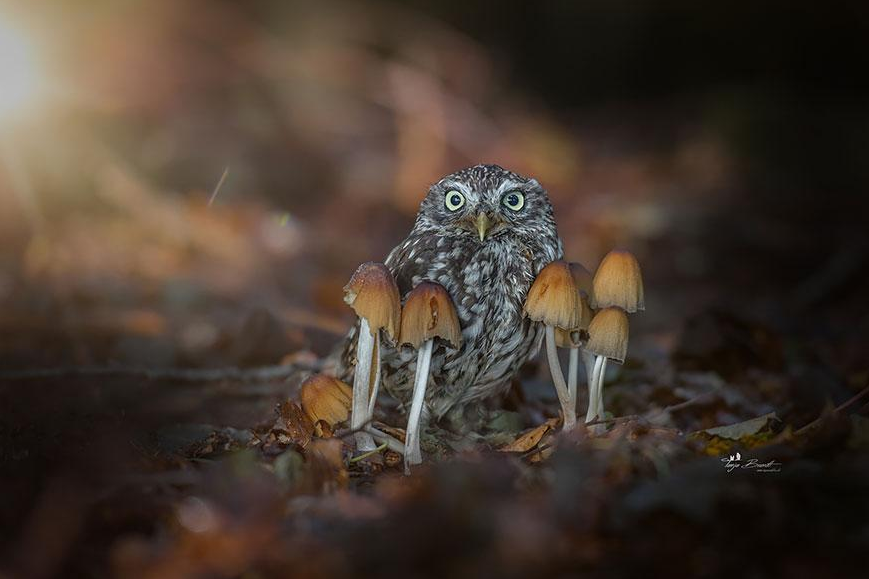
(292, 425)
(530, 438)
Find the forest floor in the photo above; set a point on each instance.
(115, 462)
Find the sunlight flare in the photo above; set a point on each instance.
(19, 73)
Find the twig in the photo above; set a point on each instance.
(181, 374)
(616, 420)
(365, 455)
(851, 401)
(536, 450)
(686, 403)
(218, 186)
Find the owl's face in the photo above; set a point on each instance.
(487, 203)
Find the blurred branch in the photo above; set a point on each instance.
(264, 373)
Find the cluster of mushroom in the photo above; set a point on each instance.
(588, 315)
(585, 313)
(428, 315)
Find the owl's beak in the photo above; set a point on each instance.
(483, 225)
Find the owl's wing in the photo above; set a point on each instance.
(410, 259)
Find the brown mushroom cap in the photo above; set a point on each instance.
(618, 282)
(567, 338)
(429, 313)
(553, 298)
(373, 295)
(585, 312)
(608, 334)
(583, 278)
(326, 398)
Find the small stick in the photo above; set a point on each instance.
(365, 455)
(218, 186)
(180, 374)
(615, 420)
(837, 410)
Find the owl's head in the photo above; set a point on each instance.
(487, 202)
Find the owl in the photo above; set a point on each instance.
(483, 233)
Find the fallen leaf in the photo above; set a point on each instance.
(749, 434)
(742, 429)
(292, 425)
(530, 438)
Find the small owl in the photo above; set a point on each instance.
(483, 233)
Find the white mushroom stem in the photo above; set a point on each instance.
(361, 377)
(595, 392)
(572, 371)
(391, 442)
(599, 399)
(376, 388)
(412, 451)
(588, 363)
(568, 413)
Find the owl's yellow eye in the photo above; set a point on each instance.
(514, 200)
(454, 200)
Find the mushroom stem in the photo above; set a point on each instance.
(376, 388)
(591, 414)
(569, 416)
(588, 363)
(572, 371)
(599, 410)
(393, 443)
(595, 393)
(361, 377)
(412, 451)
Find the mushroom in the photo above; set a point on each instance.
(554, 300)
(607, 340)
(582, 278)
(428, 314)
(326, 398)
(617, 283)
(373, 295)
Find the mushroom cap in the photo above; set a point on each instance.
(576, 336)
(618, 282)
(428, 314)
(326, 398)
(373, 295)
(608, 334)
(567, 338)
(583, 278)
(585, 312)
(553, 298)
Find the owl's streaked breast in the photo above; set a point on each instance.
(488, 283)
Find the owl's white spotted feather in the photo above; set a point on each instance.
(487, 279)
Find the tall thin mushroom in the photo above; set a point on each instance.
(582, 278)
(373, 295)
(607, 340)
(428, 314)
(617, 283)
(554, 301)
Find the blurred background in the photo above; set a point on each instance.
(725, 144)
(189, 184)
